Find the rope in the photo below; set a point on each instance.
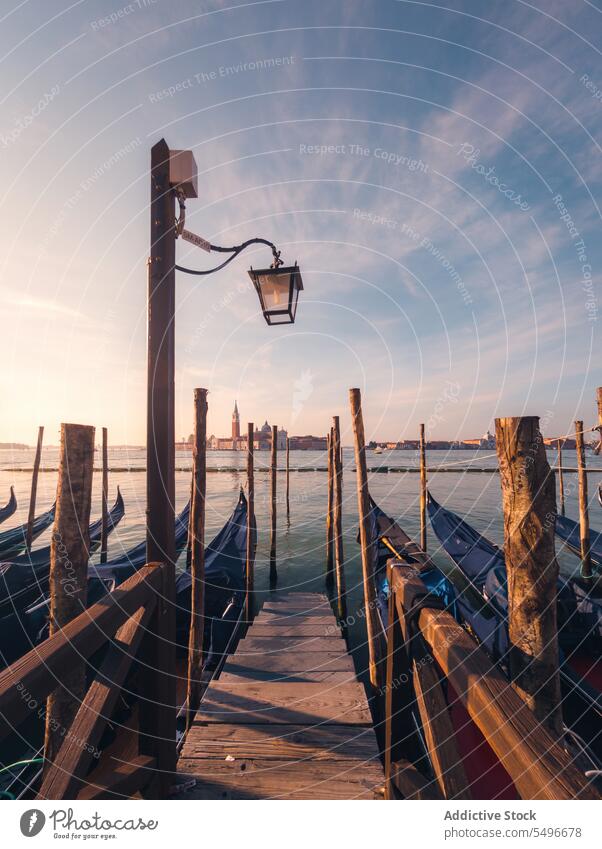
(22, 763)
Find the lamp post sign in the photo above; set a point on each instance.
(198, 241)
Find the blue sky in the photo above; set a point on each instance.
(434, 168)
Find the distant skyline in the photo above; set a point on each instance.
(436, 172)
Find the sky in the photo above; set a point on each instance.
(434, 168)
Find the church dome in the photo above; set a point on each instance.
(266, 428)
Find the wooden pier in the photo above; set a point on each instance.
(287, 718)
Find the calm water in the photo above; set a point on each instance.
(301, 544)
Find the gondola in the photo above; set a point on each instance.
(569, 532)
(9, 508)
(483, 607)
(13, 542)
(225, 560)
(24, 578)
(487, 777)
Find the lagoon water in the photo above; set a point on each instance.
(301, 544)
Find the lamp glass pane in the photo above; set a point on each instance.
(275, 289)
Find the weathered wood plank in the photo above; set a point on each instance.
(242, 677)
(323, 742)
(291, 661)
(538, 766)
(264, 645)
(288, 703)
(305, 779)
(296, 628)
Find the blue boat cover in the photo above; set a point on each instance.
(482, 562)
(433, 578)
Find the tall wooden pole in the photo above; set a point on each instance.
(375, 648)
(529, 501)
(586, 557)
(34, 490)
(329, 512)
(338, 522)
(599, 401)
(197, 560)
(159, 726)
(274, 469)
(288, 476)
(69, 552)
(250, 566)
(422, 489)
(560, 477)
(104, 526)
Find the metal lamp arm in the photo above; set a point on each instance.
(235, 251)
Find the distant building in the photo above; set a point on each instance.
(235, 423)
(308, 443)
(262, 438)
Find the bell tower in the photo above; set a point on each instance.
(235, 423)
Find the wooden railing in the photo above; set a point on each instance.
(130, 625)
(425, 645)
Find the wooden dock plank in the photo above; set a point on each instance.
(266, 645)
(292, 661)
(295, 629)
(322, 742)
(256, 779)
(286, 702)
(287, 718)
(241, 677)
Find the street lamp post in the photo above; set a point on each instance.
(173, 177)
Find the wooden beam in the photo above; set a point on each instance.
(529, 502)
(423, 487)
(104, 527)
(533, 757)
(39, 671)
(69, 554)
(273, 469)
(34, 490)
(120, 780)
(329, 512)
(339, 560)
(412, 784)
(64, 778)
(586, 557)
(375, 648)
(250, 563)
(197, 562)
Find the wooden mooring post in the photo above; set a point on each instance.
(329, 511)
(274, 470)
(104, 526)
(339, 562)
(34, 490)
(529, 502)
(560, 477)
(375, 649)
(423, 486)
(69, 553)
(599, 402)
(250, 564)
(197, 560)
(288, 478)
(586, 557)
